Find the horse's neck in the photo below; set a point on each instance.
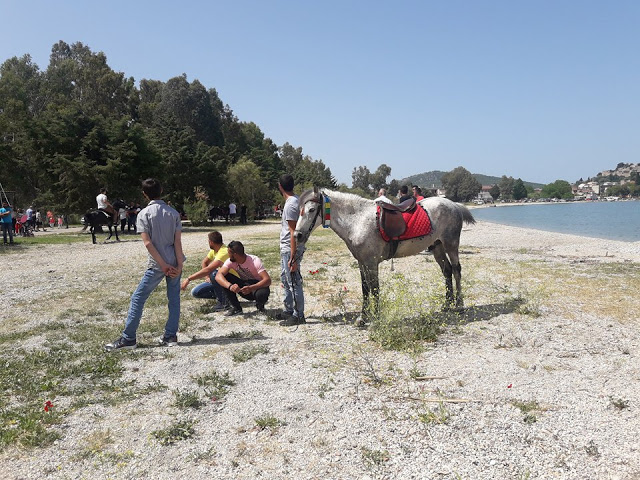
(346, 211)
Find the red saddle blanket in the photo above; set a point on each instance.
(418, 224)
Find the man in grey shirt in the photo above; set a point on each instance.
(290, 257)
(161, 230)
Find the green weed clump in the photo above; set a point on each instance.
(268, 421)
(188, 399)
(215, 385)
(407, 315)
(180, 430)
(245, 354)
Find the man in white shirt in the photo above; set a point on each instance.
(105, 206)
(382, 196)
(232, 211)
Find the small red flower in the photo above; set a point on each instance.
(510, 385)
(48, 405)
(214, 399)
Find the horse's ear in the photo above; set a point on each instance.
(315, 189)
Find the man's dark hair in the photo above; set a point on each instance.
(286, 182)
(215, 237)
(236, 247)
(103, 190)
(404, 189)
(152, 188)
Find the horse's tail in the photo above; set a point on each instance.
(466, 214)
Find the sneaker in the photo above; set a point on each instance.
(220, 307)
(260, 307)
(283, 315)
(232, 311)
(169, 341)
(292, 321)
(120, 344)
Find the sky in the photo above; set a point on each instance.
(538, 90)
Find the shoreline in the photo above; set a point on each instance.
(485, 234)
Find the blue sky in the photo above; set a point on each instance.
(539, 90)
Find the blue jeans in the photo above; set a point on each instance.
(292, 282)
(210, 290)
(7, 229)
(150, 280)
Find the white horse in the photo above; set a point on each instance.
(353, 218)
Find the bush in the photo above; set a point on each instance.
(197, 210)
(406, 317)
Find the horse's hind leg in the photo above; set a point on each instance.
(441, 257)
(457, 275)
(370, 292)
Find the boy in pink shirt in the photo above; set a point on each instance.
(252, 281)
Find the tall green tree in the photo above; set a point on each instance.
(246, 185)
(361, 179)
(494, 192)
(461, 185)
(559, 189)
(519, 190)
(506, 187)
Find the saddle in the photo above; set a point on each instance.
(392, 222)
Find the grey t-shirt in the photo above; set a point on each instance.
(290, 211)
(160, 222)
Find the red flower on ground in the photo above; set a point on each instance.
(48, 405)
(510, 385)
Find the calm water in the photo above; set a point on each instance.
(612, 220)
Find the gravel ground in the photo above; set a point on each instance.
(319, 380)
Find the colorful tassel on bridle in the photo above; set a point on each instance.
(326, 221)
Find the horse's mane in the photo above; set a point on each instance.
(349, 198)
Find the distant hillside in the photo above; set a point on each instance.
(433, 178)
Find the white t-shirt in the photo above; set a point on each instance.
(232, 208)
(101, 201)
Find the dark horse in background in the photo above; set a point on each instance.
(97, 218)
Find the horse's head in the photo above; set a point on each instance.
(118, 204)
(310, 214)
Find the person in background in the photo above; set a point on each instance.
(31, 220)
(382, 196)
(132, 215)
(161, 231)
(105, 206)
(417, 192)
(232, 211)
(38, 221)
(122, 214)
(243, 214)
(216, 257)
(251, 282)
(404, 194)
(6, 220)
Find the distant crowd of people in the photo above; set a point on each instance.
(23, 222)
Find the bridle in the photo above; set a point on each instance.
(324, 209)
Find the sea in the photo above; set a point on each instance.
(610, 220)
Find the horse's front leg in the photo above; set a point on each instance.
(370, 292)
